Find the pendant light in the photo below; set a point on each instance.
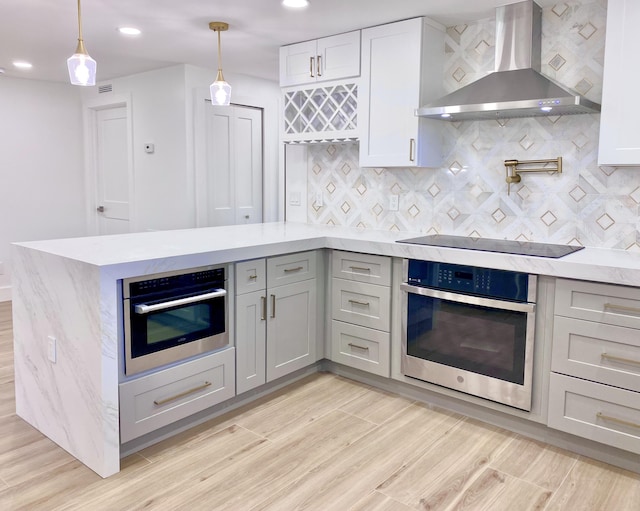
(220, 90)
(82, 68)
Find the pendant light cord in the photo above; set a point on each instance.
(219, 52)
(79, 22)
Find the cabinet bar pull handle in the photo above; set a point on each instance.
(356, 302)
(412, 149)
(263, 302)
(319, 68)
(253, 277)
(622, 308)
(360, 268)
(363, 348)
(273, 306)
(160, 402)
(289, 270)
(604, 417)
(311, 59)
(624, 360)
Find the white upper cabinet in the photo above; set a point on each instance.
(329, 58)
(402, 67)
(619, 133)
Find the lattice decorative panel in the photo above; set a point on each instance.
(327, 112)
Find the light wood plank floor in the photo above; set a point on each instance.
(323, 443)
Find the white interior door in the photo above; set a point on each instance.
(234, 165)
(112, 166)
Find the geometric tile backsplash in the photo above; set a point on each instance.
(586, 204)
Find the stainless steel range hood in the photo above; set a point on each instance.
(516, 88)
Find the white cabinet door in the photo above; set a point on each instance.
(250, 340)
(401, 69)
(619, 134)
(291, 328)
(329, 58)
(339, 56)
(297, 63)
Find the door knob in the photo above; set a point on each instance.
(100, 209)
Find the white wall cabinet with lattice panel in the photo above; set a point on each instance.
(321, 113)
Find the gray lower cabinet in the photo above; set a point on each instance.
(361, 311)
(164, 397)
(276, 318)
(594, 389)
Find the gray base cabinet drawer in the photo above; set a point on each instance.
(251, 276)
(162, 398)
(363, 304)
(603, 303)
(599, 352)
(372, 269)
(291, 268)
(598, 412)
(362, 348)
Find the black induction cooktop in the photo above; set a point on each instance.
(489, 245)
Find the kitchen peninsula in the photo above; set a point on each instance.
(67, 308)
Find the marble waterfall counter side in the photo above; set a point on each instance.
(65, 355)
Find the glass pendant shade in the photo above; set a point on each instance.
(82, 69)
(220, 91)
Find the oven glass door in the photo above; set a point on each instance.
(477, 338)
(168, 322)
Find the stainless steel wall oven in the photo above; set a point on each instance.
(469, 329)
(173, 316)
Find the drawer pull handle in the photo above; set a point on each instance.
(363, 348)
(311, 66)
(273, 306)
(604, 417)
(624, 360)
(263, 300)
(624, 308)
(360, 268)
(160, 402)
(253, 277)
(356, 302)
(289, 270)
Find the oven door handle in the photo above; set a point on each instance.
(468, 299)
(143, 308)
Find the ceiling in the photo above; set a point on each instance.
(44, 32)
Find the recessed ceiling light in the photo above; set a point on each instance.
(295, 4)
(21, 64)
(129, 31)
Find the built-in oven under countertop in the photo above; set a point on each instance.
(469, 329)
(174, 316)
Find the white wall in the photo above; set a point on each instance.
(254, 92)
(163, 113)
(41, 176)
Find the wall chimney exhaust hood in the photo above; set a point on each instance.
(516, 88)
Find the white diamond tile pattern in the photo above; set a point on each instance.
(586, 204)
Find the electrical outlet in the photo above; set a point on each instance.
(51, 348)
(318, 200)
(394, 202)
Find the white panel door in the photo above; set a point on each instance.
(112, 163)
(234, 165)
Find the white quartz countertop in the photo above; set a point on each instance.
(213, 245)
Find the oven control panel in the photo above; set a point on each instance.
(501, 284)
(174, 281)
